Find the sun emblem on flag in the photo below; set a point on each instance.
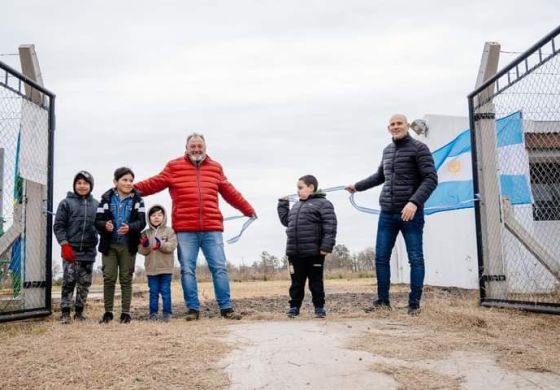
(454, 165)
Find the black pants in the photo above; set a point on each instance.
(302, 268)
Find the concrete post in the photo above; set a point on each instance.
(36, 195)
(30, 68)
(488, 176)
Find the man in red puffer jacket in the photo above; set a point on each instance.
(194, 181)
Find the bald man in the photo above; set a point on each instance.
(408, 175)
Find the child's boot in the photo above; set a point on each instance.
(107, 317)
(65, 316)
(125, 318)
(79, 314)
(153, 317)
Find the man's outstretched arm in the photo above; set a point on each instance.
(155, 183)
(234, 197)
(374, 180)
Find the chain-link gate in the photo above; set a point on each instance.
(517, 166)
(26, 160)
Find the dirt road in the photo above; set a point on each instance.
(453, 344)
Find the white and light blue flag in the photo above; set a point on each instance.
(454, 168)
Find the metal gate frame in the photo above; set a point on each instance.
(480, 103)
(33, 92)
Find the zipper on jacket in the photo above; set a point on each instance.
(155, 233)
(84, 225)
(393, 175)
(199, 196)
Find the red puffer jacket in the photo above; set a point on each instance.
(194, 191)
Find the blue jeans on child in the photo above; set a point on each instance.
(160, 284)
(389, 226)
(212, 245)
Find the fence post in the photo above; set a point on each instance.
(37, 288)
(487, 175)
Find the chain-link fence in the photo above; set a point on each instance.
(516, 117)
(26, 153)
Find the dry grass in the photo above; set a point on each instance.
(88, 355)
(451, 320)
(184, 355)
(253, 289)
(412, 378)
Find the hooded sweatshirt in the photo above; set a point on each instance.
(159, 261)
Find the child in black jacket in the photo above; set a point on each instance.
(311, 231)
(120, 219)
(74, 230)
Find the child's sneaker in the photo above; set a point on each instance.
(107, 317)
(125, 318)
(320, 312)
(166, 317)
(293, 312)
(153, 317)
(65, 316)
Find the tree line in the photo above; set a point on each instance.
(268, 266)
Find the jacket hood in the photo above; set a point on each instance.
(163, 223)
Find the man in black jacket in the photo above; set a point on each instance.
(408, 175)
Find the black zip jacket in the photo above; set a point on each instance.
(408, 173)
(311, 225)
(74, 223)
(136, 223)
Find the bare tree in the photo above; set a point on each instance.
(340, 258)
(364, 260)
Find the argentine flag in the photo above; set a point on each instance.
(454, 168)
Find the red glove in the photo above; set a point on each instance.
(145, 241)
(157, 244)
(68, 253)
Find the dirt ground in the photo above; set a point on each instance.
(46, 354)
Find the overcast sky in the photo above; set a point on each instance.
(279, 88)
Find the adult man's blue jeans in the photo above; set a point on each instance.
(160, 284)
(212, 245)
(389, 226)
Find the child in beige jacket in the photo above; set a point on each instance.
(158, 243)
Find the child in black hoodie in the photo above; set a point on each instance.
(74, 228)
